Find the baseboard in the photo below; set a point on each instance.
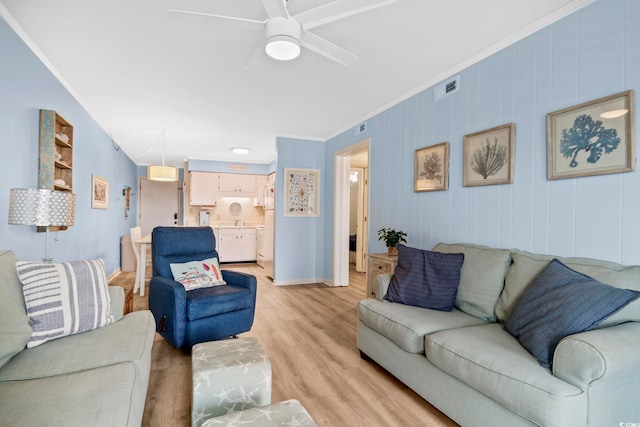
(114, 275)
(314, 281)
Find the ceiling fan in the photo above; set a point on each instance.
(284, 34)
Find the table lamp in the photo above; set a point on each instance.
(43, 208)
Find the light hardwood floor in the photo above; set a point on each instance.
(309, 334)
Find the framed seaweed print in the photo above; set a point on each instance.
(489, 156)
(99, 192)
(301, 192)
(431, 168)
(593, 138)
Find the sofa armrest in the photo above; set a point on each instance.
(602, 355)
(381, 284)
(604, 363)
(116, 294)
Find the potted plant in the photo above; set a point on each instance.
(391, 238)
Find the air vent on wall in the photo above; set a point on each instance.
(447, 88)
(361, 128)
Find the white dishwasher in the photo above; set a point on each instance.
(237, 244)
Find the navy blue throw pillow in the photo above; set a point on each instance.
(562, 302)
(425, 279)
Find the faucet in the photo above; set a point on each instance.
(237, 222)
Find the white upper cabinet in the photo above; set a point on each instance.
(245, 185)
(262, 188)
(203, 189)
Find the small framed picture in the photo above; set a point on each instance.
(489, 156)
(99, 192)
(302, 192)
(593, 138)
(431, 168)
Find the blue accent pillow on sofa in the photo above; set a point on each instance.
(425, 279)
(562, 302)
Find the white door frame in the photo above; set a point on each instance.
(342, 170)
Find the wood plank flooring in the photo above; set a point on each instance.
(309, 334)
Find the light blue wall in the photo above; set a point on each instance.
(592, 53)
(26, 86)
(299, 242)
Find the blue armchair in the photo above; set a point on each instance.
(207, 314)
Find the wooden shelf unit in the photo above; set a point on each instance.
(55, 154)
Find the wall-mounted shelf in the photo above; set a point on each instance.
(55, 166)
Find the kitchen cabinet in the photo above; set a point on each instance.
(262, 188)
(236, 244)
(242, 185)
(203, 188)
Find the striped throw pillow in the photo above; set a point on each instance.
(64, 299)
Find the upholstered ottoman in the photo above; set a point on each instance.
(228, 376)
(287, 413)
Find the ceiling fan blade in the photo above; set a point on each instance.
(337, 10)
(252, 21)
(326, 49)
(275, 8)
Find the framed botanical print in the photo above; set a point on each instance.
(489, 156)
(431, 168)
(593, 138)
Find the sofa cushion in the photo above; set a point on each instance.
(127, 340)
(561, 302)
(198, 274)
(527, 266)
(491, 361)
(406, 325)
(14, 322)
(96, 397)
(64, 299)
(482, 277)
(425, 279)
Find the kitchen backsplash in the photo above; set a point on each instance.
(249, 214)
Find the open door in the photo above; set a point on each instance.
(356, 156)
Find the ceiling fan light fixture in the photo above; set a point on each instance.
(283, 48)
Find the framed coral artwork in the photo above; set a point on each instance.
(489, 156)
(301, 192)
(431, 168)
(592, 138)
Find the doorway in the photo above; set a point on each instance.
(159, 203)
(348, 225)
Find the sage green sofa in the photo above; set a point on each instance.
(465, 363)
(95, 378)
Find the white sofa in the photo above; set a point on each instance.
(465, 363)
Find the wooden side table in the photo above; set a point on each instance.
(378, 263)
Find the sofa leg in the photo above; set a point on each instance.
(364, 357)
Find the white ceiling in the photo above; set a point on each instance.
(138, 69)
